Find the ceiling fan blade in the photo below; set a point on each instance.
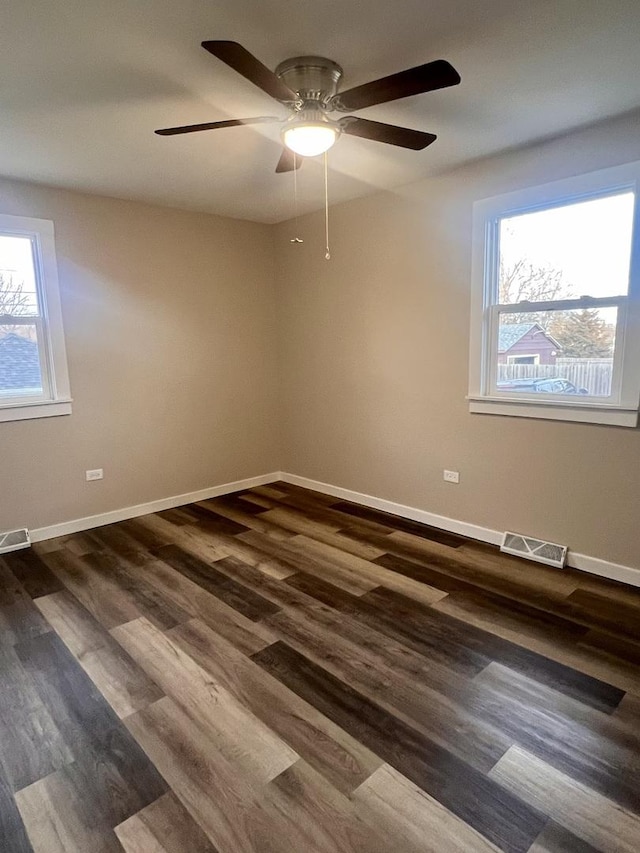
(238, 58)
(288, 161)
(404, 137)
(414, 81)
(214, 125)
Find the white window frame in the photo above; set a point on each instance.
(621, 409)
(56, 397)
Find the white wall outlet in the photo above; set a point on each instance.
(451, 476)
(94, 474)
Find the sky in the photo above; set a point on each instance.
(589, 242)
(16, 261)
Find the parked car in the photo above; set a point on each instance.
(554, 385)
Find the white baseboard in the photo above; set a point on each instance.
(79, 524)
(583, 562)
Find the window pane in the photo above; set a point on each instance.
(19, 361)
(18, 292)
(578, 249)
(573, 352)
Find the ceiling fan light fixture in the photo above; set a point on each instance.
(310, 133)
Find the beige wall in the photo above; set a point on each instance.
(172, 338)
(169, 323)
(374, 355)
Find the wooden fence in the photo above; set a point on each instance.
(594, 374)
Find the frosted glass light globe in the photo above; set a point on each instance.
(309, 140)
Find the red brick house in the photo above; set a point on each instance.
(526, 343)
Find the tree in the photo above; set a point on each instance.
(525, 282)
(13, 300)
(582, 334)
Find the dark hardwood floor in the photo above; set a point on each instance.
(282, 672)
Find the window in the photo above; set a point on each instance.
(556, 301)
(523, 359)
(34, 381)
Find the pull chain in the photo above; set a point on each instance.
(327, 253)
(295, 239)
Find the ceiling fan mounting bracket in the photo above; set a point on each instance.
(314, 79)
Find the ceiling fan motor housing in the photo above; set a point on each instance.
(314, 79)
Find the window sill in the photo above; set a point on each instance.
(561, 411)
(28, 411)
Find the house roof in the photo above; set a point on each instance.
(510, 333)
(19, 363)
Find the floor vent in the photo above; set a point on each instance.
(12, 540)
(534, 549)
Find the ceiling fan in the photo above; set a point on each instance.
(308, 87)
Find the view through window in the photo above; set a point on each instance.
(562, 282)
(20, 320)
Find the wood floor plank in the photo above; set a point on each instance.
(102, 597)
(592, 659)
(246, 635)
(249, 520)
(114, 769)
(433, 629)
(556, 839)
(205, 516)
(124, 685)
(300, 553)
(244, 600)
(507, 612)
(31, 744)
(410, 699)
(212, 547)
(587, 814)
(377, 575)
(325, 513)
(396, 522)
(79, 630)
(163, 827)
(597, 610)
(323, 745)
(149, 601)
(503, 819)
(240, 736)
(494, 572)
(303, 812)
(591, 747)
(256, 501)
(237, 500)
(277, 670)
(32, 573)
(60, 818)
(628, 712)
(298, 522)
(13, 835)
(216, 795)
(417, 819)
(113, 538)
(20, 619)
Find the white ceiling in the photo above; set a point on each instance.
(85, 82)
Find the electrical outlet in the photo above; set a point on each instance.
(451, 476)
(94, 474)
